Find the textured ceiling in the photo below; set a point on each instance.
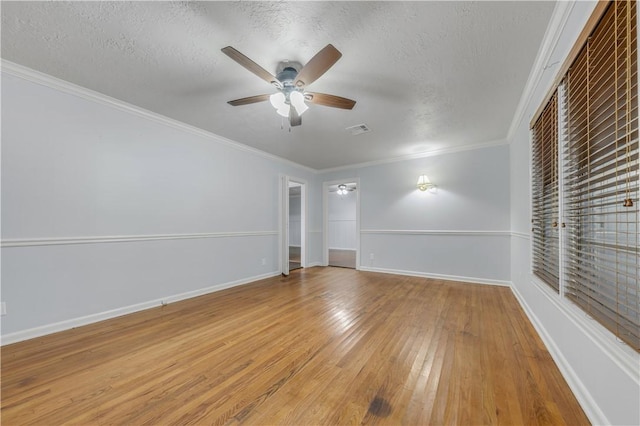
(427, 76)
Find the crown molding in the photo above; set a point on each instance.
(556, 26)
(55, 83)
(63, 86)
(425, 154)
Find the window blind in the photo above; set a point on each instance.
(601, 175)
(544, 189)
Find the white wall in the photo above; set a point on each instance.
(602, 372)
(460, 232)
(341, 220)
(107, 209)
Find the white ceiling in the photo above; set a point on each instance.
(427, 76)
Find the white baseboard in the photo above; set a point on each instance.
(473, 280)
(43, 330)
(586, 401)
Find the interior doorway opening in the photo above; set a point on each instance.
(342, 224)
(295, 225)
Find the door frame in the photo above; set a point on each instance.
(325, 218)
(283, 227)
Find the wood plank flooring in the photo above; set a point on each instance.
(322, 346)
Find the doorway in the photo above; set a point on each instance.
(293, 224)
(341, 224)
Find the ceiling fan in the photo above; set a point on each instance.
(343, 189)
(291, 82)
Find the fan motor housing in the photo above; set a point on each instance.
(287, 75)
(297, 66)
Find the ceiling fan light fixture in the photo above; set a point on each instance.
(297, 100)
(291, 80)
(342, 189)
(284, 111)
(278, 100)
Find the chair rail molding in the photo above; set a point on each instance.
(28, 242)
(436, 232)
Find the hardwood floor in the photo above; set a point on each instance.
(322, 346)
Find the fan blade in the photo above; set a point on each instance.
(249, 64)
(330, 100)
(249, 100)
(318, 65)
(294, 118)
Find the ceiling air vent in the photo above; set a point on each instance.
(358, 129)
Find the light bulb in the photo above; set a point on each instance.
(297, 100)
(423, 183)
(277, 100)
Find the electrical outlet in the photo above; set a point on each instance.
(371, 256)
(3, 308)
(264, 261)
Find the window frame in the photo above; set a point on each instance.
(602, 335)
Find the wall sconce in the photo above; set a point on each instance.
(424, 184)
